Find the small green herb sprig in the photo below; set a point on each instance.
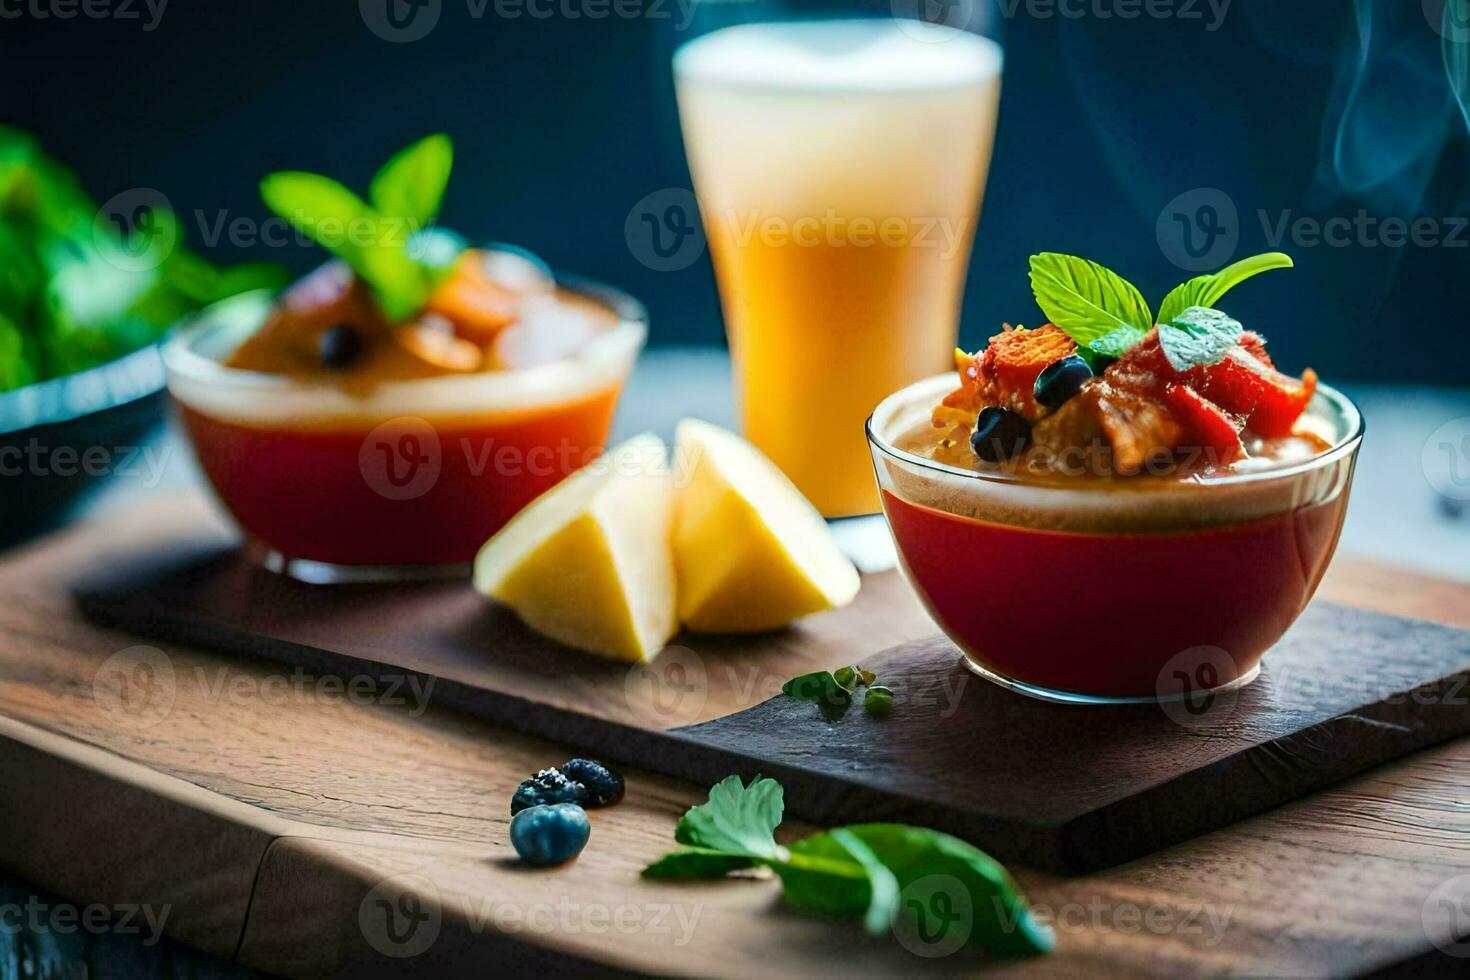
(833, 691)
(387, 240)
(860, 871)
(1107, 316)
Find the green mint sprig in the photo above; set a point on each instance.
(378, 240)
(1107, 316)
(859, 871)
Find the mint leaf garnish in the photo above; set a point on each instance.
(866, 676)
(344, 224)
(385, 242)
(411, 185)
(1084, 299)
(1116, 343)
(1207, 290)
(1198, 337)
(846, 678)
(859, 871)
(738, 819)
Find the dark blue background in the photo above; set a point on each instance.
(562, 124)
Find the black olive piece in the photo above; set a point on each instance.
(1000, 433)
(1060, 380)
(338, 346)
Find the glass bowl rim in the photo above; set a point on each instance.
(180, 358)
(1345, 446)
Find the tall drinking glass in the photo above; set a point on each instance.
(839, 167)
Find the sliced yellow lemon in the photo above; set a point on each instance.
(752, 554)
(587, 563)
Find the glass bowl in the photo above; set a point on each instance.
(1113, 591)
(407, 481)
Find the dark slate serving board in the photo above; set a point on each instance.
(1058, 787)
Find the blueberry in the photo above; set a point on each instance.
(1060, 380)
(546, 787)
(604, 787)
(1000, 433)
(550, 834)
(338, 346)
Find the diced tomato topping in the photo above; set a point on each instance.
(1282, 403)
(1204, 423)
(1255, 345)
(1003, 374)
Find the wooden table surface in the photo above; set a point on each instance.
(277, 817)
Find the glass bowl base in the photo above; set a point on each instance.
(327, 573)
(1071, 697)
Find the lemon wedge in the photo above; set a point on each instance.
(587, 563)
(752, 554)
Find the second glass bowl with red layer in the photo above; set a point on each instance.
(1113, 591)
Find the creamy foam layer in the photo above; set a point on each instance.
(838, 120)
(1123, 505)
(875, 55)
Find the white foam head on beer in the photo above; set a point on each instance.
(868, 117)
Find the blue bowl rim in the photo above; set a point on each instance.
(122, 381)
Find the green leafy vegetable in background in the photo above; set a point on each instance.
(884, 874)
(388, 242)
(76, 290)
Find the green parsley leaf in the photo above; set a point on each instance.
(878, 701)
(738, 819)
(999, 919)
(867, 677)
(846, 678)
(1084, 299)
(690, 863)
(824, 689)
(885, 874)
(1207, 290)
(1198, 337)
(411, 185)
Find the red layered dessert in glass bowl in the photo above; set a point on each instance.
(391, 411)
(1113, 510)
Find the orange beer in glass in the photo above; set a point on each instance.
(839, 167)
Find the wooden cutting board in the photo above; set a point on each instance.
(1057, 787)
